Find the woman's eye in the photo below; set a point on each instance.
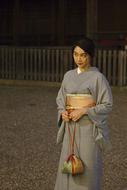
(75, 54)
(84, 55)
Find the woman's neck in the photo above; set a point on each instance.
(84, 69)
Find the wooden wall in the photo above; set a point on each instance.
(37, 23)
(112, 25)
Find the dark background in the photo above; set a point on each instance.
(61, 22)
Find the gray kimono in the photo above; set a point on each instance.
(91, 130)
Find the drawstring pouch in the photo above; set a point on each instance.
(73, 164)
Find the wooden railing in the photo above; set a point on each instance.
(113, 64)
(50, 64)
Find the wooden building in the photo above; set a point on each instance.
(61, 22)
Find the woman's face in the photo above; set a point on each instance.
(81, 58)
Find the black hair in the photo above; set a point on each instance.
(86, 44)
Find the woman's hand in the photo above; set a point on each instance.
(77, 113)
(65, 116)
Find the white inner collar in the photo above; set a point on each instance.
(78, 70)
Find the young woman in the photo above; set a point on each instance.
(88, 121)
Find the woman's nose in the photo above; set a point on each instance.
(79, 58)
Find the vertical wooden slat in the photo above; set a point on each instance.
(22, 62)
(26, 64)
(124, 67)
(44, 64)
(109, 65)
(65, 58)
(95, 59)
(57, 77)
(52, 65)
(6, 63)
(99, 54)
(16, 55)
(71, 62)
(39, 64)
(120, 68)
(48, 64)
(31, 63)
(61, 65)
(68, 59)
(10, 63)
(114, 68)
(18, 69)
(13, 63)
(19, 64)
(2, 63)
(104, 69)
(35, 64)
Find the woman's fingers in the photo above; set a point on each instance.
(65, 116)
(76, 118)
(76, 114)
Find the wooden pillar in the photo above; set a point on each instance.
(53, 22)
(16, 22)
(91, 17)
(61, 22)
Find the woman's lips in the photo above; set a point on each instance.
(79, 63)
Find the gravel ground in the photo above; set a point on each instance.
(29, 155)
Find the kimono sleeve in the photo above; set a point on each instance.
(60, 100)
(104, 102)
(99, 114)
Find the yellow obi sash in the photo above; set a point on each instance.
(77, 101)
